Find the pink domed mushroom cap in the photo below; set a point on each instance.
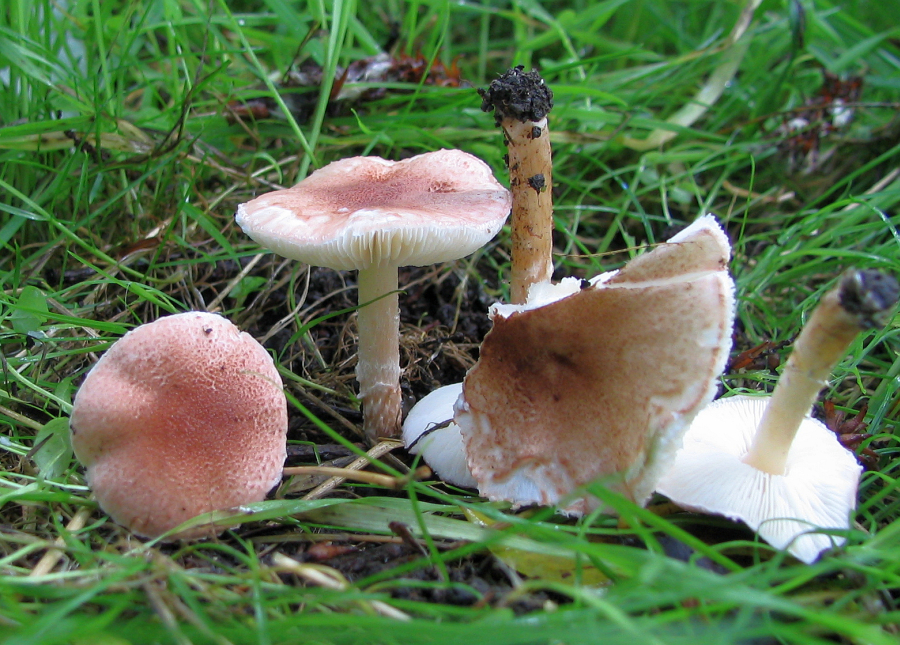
(181, 416)
(366, 211)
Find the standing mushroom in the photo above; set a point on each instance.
(521, 101)
(374, 215)
(181, 416)
(590, 379)
(764, 460)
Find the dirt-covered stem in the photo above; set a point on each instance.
(521, 102)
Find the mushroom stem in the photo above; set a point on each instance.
(530, 182)
(378, 366)
(521, 102)
(859, 299)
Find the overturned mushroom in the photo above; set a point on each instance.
(764, 460)
(179, 417)
(375, 215)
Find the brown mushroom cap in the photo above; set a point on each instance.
(179, 417)
(603, 382)
(365, 211)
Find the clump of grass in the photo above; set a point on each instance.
(121, 163)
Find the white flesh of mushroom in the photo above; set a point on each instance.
(429, 431)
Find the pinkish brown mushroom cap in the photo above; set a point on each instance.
(601, 383)
(364, 211)
(180, 417)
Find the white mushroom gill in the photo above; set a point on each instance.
(764, 460)
(817, 488)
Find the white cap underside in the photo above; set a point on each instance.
(818, 488)
(368, 240)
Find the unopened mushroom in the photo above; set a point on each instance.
(521, 101)
(375, 215)
(764, 460)
(429, 430)
(598, 380)
(181, 416)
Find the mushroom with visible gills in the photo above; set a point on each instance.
(765, 460)
(375, 215)
(179, 417)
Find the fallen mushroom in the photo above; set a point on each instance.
(375, 215)
(593, 379)
(521, 101)
(764, 460)
(179, 417)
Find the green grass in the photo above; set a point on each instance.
(119, 177)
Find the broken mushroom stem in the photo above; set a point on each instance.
(520, 102)
(858, 302)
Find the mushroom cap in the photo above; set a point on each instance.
(366, 211)
(179, 417)
(601, 383)
(442, 444)
(818, 488)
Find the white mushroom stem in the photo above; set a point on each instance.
(840, 316)
(530, 183)
(378, 366)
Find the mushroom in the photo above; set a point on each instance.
(596, 379)
(521, 101)
(764, 460)
(181, 416)
(375, 215)
(429, 430)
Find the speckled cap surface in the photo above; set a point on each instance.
(179, 417)
(364, 211)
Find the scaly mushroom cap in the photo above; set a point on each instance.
(817, 490)
(366, 211)
(601, 383)
(179, 417)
